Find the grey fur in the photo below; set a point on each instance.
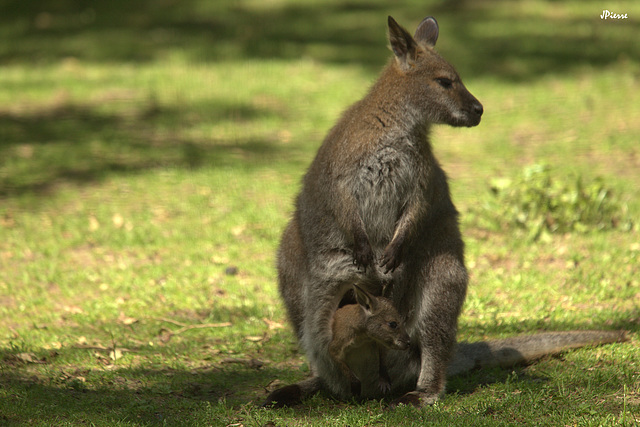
(375, 208)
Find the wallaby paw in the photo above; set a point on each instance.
(362, 255)
(416, 399)
(390, 258)
(384, 386)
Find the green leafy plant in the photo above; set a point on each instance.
(541, 201)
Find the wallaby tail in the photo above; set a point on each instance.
(525, 349)
(293, 394)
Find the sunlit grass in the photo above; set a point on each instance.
(145, 181)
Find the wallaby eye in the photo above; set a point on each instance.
(444, 82)
(393, 325)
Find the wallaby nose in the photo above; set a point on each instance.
(477, 108)
(403, 343)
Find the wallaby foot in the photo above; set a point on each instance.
(417, 399)
(288, 395)
(293, 394)
(384, 385)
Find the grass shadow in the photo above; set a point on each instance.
(482, 38)
(155, 392)
(140, 396)
(82, 143)
(468, 382)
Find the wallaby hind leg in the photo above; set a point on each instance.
(322, 301)
(294, 393)
(311, 295)
(291, 272)
(442, 280)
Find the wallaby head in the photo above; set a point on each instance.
(431, 84)
(382, 321)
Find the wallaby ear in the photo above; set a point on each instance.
(427, 31)
(404, 47)
(364, 298)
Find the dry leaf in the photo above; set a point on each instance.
(115, 354)
(93, 223)
(254, 338)
(271, 324)
(238, 230)
(7, 221)
(118, 220)
(26, 357)
(218, 259)
(73, 309)
(285, 136)
(29, 358)
(126, 320)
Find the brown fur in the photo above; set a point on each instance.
(361, 333)
(375, 209)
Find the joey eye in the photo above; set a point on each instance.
(444, 82)
(393, 325)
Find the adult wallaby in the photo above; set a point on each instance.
(361, 333)
(375, 209)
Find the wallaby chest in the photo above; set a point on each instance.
(383, 178)
(383, 183)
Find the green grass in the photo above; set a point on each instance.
(149, 157)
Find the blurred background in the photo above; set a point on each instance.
(91, 89)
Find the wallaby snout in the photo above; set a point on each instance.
(402, 342)
(474, 112)
(472, 109)
(389, 333)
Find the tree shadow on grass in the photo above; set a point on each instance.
(82, 143)
(140, 396)
(481, 38)
(468, 382)
(74, 393)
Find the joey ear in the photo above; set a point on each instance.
(427, 31)
(404, 47)
(364, 299)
